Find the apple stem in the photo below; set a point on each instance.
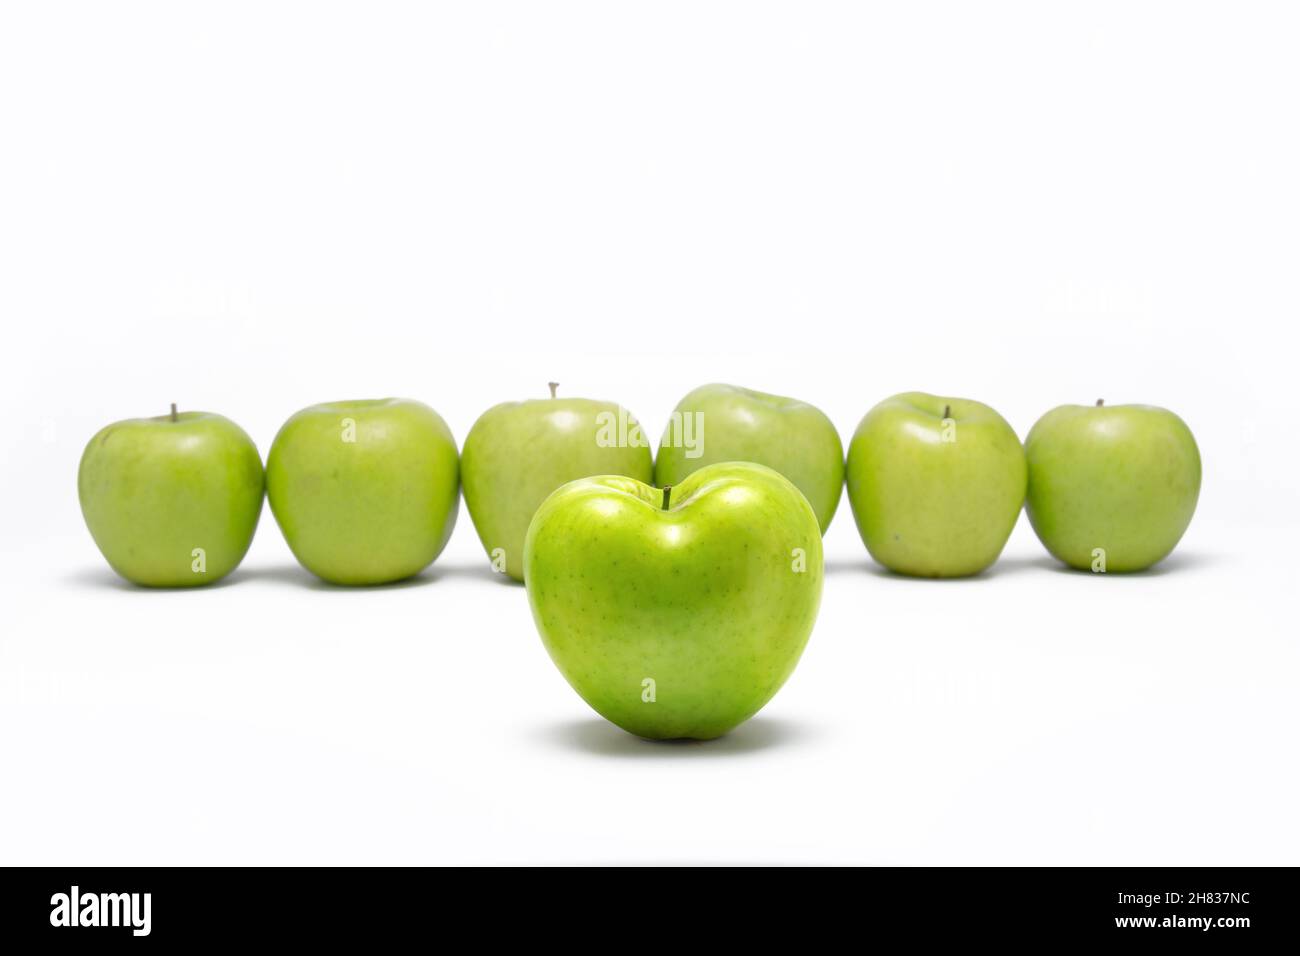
(174, 415)
(668, 490)
(947, 411)
(1101, 402)
(554, 386)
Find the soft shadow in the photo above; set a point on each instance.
(1176, 563)
(297, 575)
(868, 567)
(857, 566)
(677, 862)
(880, 571)
(106, 579)
(602, 739)
(480, 572)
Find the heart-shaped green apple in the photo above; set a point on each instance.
(365, 491)
(517, 453)
(1111, 487)
(172, 501)
(936, 484)
(676, 612)
(717, 423)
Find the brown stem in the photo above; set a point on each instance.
(668, 490)
(947, 411)
(1101, 402)
(554, 386)
(175, 417)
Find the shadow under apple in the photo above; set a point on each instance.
(106, 579)
(600, 738)
(1177, 562)
(293, 574)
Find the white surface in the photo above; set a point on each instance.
(252, 208)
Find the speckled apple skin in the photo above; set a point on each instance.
(153, 489)
(740, 424)
(372, 511)
(517, 453)
(931, 508)
(701, 598)
(1124, 478)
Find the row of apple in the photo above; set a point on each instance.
(366, 492)
(673, 611)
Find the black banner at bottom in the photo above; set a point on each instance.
(136, 907)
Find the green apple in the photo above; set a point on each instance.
(172, 501)
(676, 612)
(936, 484)
(717, 423)
(365, 492)
(1111, 487)
(517, 453)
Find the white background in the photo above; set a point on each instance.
(250, 208)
